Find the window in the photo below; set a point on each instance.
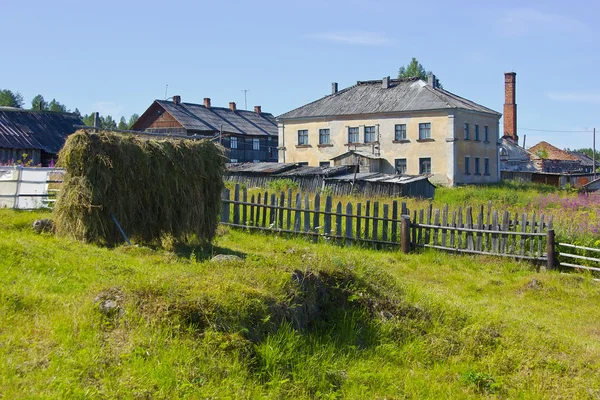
(400, 132)
(325, 164)
(303, 137)
(477, 133)
(369, 134)
(400, 165)
(353, 135)
(233, 143)
(477, 172)
(255, 144)
(425, 165)
(486, 133)
(425, 130)
(324, 136)
(486, 166)
(467, 131)
(233, 160)
(467, 166)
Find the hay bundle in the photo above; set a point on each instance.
(152, 187)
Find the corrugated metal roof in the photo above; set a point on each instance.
(28, 129)
(324, 171)
(371, 98)
(379, 177)
(196, 117)
(263, 167)
(584, 158)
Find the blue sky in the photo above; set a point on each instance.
(117, 56)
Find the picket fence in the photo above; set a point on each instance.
(489, 232)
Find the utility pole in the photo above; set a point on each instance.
(594, 154)
(245, 101)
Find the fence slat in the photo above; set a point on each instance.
(327, 216)
(273, 210)
(306, 213)
(375, 223)
(470, 243)
(338, 221)
(395, 221)
(460, 225)
(349, 223)
(436, 222)
(225, 206)
(245, 206)
(264, 209)
(428, 222)
(478, 242)
(523, 230)
(289, 209)
(452, 233)
(444, 223)
(495, 228)
(488, 236)
(252, 222)
(385, 222)
(532, 240)
(317, 217)
(297, 214)
(280, 212)
(540, 230)
(367, 220)
(413, 235)
(236, 204)
(505, 222)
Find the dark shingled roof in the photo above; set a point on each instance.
(196, 117)
(369, 97)
(28, 129)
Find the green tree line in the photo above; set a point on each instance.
(8, 98)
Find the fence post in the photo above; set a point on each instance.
(550, 249)
(225, 206)
(405, 234)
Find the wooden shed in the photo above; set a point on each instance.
(385, 185)
(366, 162)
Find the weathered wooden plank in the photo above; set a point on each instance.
(358, 221)
(367, 220)
(375, 234)
(289, 209)
(413, 236)
(338, 221)
(523, 229)
(327, 216)
(264, 209)
(349, 223)
(420, 233)
(273, 211)
(428, 230)
(470, 242)
(495, 228)
(317, 217)
(395, 221)
(236, 204)
(489, 226)
(505, 225)
(513, 229)
(539, 239)
(385, 222)
(479, 240)
(452, 232)
(251, 222)
(225, 205)
(297, 213)
(257, 209)
(532, 240)
(245, 206)
(306, 218)
(280, 213)
(444, 223)
(436, 222)
(460, 225)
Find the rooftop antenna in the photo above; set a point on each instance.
(166, 89)
(245, 101)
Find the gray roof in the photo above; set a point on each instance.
(584, 158)
(369, 97)
(197, 117)
(29, 129)
(360, 153)
(379, 177)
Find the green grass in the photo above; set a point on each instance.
(292, 320)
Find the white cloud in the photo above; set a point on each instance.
(108, 108)
(575, 97)
(354, 37)
(519, 22)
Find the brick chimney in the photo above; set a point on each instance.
(207, 102)
(431, 80)
(257, 109)
(510, 106)
(177, 100)
(334, 87)
(232, 106)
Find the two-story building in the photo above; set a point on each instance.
(404, 126)
(248, 136)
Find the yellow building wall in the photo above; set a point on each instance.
(446, 143)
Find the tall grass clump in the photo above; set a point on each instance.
(153, 188)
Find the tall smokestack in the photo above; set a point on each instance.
(510, 106)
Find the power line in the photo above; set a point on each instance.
(547, 130)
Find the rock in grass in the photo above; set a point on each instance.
(225, 257)
(43, 225)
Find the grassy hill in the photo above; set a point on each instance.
(292, 320)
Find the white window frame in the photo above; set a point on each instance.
(372, 134)
(355, 134)
(400, 129)
(303, 133)
(421, 169)
(233, 142)
(324, 133)
(255, 144)
(404, 164)
(425, 130)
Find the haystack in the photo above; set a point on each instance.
(151, 187)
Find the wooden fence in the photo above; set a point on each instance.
(389, 225)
